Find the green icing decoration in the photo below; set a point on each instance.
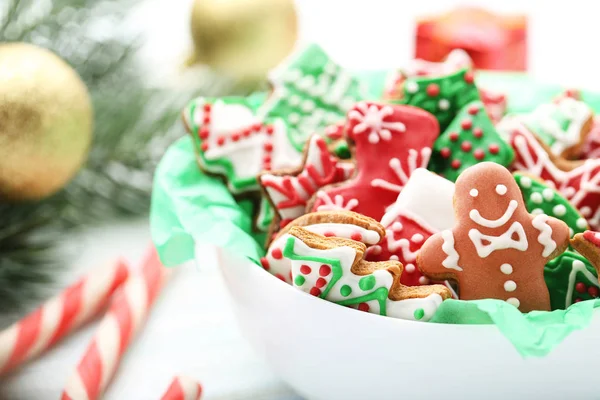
(470, 139)
(542, 199)
(265, 216)
(367, 283)
(442, 96)
(342, 150)
(299, 281)
(380, 294)
(346, 291)
(570, 278)
(419, 313)
(310, 93)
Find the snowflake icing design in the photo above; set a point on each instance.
(371, 119)
(337, 203)
(403, 176)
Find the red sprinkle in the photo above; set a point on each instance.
(477, 132)
(593, 291)
(363, 307)
(305, 269)
(356, 236)
(247, 132)
(256, 127)
(277, 254)
(494, 148)
(221, 141)
(324, 270)
(267, 166)
(320, 283)
(206, 119)
(466, 124)
(465, 146)
(315, 291)
(235, 137)
(268, 147)
(204, 133)
(266, 159)
(270, 129)
(328, 234)
(445, 152)
(453, 136)
(580, 287)
(455, 164)
(469, 78)
(207, 107)
(204, 146)
(433, 89)
(479, 154)
(265, 263)
(473, 109)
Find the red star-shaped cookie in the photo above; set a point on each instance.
(389, 142)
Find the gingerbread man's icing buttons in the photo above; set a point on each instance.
(389, 143)
(496, 249)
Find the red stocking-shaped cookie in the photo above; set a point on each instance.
(390, 142)
(496, 249)
(414, 217)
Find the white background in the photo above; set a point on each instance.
(192, 330)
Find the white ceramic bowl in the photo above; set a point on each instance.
(328, 352)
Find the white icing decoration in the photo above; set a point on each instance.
(513, 301)
(578, 266)
(501, 189)
(423, 280)
(411, 86)
(371, 120)
(293, 118)
(548, 194)
(337, 203)
(510, 286)
(537, 211)
(451, 260)
(444, 104)
(585, 211)
(308, 105)
(494, 223)
(504, 241)
(474, 192)
(294, 100)
(506, 269)
(417, 238)
(540, 223)
(435, 213)
(410, 268)
(536, 197)
(569, 191)
(526, 182)
(559, 210)
(403, 177)
(581, 223)
(394, 257)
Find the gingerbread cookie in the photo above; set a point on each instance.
(496, 249)
(334, 269)
(389, 142)
(588, 245)
(343, 224)
(288, 191)
(542, 199)
(591, 145)
(412, 219)
(577, 181)
(233, 142)
(563, 125)
(310, 92)
(470, 139)
(570, 279)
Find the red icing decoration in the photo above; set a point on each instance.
(221, 141)
(276, 254)
(469, 77)
(356, 236)
(206, 119)
(445, 152)
(247, 132)
(320, 283)
(479, 154)
(466, 124)
(269, 129)
(592, 237)
(203, 133)
(207, 107)
(363, 307)
(473, 110)
(324, 270)
(453, 136)
(268, 147)
(465, 146)
(593, 291)
(305, 269)
(494, 149)
(265, 263)
(280, 277)
(580, 287)
(392, 141)
(335, 132)
(204, 146)
(328, 234)
(315, 291)
(432, 89)
(455, 164)
(235, 137)
(477, 132)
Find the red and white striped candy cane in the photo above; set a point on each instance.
(60, 315)
(128, 310)
(183, 388)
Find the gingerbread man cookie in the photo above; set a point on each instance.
(288, 191)
(334, 269)
(342, 224)
(389, 142)
(577, 181)
(496, 249)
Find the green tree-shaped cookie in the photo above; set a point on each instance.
(570, 278)
(542, 199)
(443, 96)
(470, 139)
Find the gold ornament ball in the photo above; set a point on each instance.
(243, 38)
(45, 122)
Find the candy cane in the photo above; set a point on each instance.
(183, 388)
(59, 316)
(128, 310)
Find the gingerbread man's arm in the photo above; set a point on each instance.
(560, 236)
(432, 257)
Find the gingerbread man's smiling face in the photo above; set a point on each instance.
(490, 197)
